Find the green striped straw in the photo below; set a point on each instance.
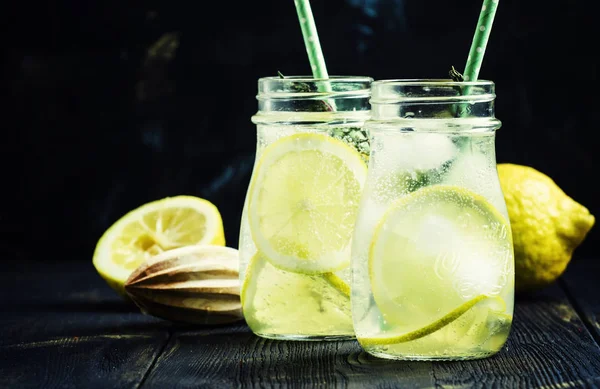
(480, 39)
(478, 46)
(311, 39)
(313, 45)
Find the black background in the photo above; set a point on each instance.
(96, 126)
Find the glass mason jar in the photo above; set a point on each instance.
(301, 206)
(432, 253)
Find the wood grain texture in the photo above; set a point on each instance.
(63, 327)
(548, 347)
(234, 357)
(582, 284)
(72, 331)
(109, 361)
(40, 301)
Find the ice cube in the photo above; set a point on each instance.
(473, 264)
(477, 172)
(480, 271)
(416, 151)
(437, 235)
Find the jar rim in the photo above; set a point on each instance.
(299, 87)
(307, 78)
(431, 81)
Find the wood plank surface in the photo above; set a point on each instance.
(72, 331)
(233, 357)
(549, 347)
(41, 301)
(62, 327)
(582, 284)
(99, 361)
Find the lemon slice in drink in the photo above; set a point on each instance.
(152, 228)
(436, 249)
(303, 201)
(275, 301)
(467, 316)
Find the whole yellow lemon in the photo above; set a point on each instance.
(547, 225)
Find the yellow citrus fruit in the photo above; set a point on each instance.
(303, 201)
(152, 228)
(547, 225)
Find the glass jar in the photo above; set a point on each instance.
(432, 254)
(301, 205)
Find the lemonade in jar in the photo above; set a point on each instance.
(301, 206)
(433, 271)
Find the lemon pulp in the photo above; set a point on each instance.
(152, 228)
(301, 209)
(303, 202)
(279, 302)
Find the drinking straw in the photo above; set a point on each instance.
(311, 39)
(478, 46)
(480, 40)
(317, 65)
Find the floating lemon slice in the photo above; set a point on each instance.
(151, 229)
(436, 249)
(303, 202)
(496, 306)
(276, 301)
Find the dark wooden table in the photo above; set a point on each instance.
(62, 327)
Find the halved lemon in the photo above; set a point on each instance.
(303, 202)
(152, 228)
(436, 249)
